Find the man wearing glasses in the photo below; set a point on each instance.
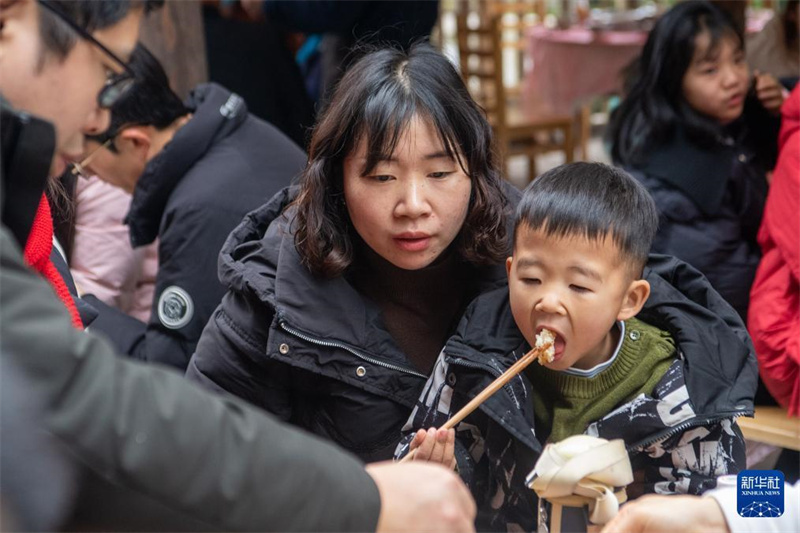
(134, 446)
(195, 169)
(68, 71)
(74, 69)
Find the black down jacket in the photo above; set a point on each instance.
(312, 351)
(710, 203)
(219, 166)
(679, 438)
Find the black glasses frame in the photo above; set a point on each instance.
(115, 86)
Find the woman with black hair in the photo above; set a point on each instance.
(342, 293)
(700, 134)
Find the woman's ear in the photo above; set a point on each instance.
(635, 297)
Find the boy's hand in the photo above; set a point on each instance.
(435, 445)
(769, 92)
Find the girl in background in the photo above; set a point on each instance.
(699, 132)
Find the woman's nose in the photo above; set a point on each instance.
(413, 201)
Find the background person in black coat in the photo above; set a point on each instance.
(194, 171)
(697, 131)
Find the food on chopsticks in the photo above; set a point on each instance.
(545, 346)
(542, 351)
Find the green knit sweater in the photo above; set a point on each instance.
(565, 404)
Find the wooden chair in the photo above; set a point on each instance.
(482, 46)
(772, 425)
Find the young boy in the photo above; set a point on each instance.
(660, 362)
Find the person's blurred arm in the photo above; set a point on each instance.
(430, 498)
(725, 498)
(214, 459)
(770, 92)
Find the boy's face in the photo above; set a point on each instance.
(575, 287)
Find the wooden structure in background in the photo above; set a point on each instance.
(174, 34)
(772, 425)
(483, 28)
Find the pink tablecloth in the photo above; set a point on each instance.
(571, 65)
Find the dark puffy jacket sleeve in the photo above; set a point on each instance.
(214, 459)
(231, 356)
(714, 322)
(696, 288)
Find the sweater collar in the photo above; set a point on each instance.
(627, 360)
(595, 370)
(412, 288)
(217, 112)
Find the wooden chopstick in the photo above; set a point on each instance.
(493, 387)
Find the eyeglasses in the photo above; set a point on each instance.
(118, 84)
(80, 169)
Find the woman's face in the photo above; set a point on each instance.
(410, 207)
(716, 82)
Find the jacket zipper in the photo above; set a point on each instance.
(463, 362)
(683, 427)
(333, 344)
(496, 373)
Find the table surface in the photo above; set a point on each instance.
(772, 425)
(583, 36)
(571, 65)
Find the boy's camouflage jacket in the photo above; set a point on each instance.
(680, 438)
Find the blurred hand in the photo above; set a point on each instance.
(665, 514)
(769, 92)
(422, 497)
(436, 446)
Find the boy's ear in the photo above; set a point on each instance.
(509, 262)
(135, 140)
(635, 297)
